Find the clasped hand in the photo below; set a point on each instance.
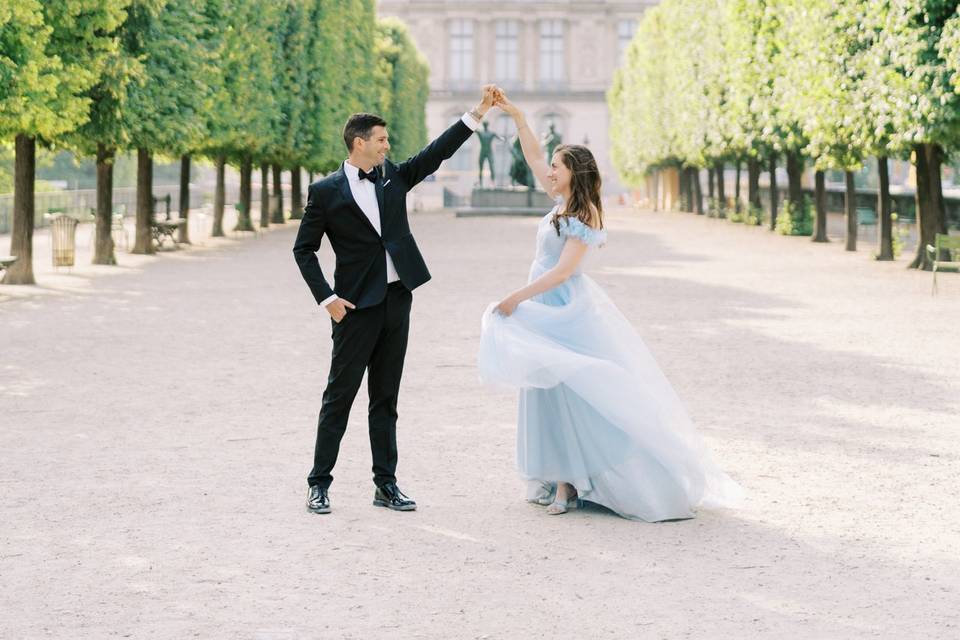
(500, 101)
(494, 96)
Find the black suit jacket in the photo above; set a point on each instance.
(360, 276)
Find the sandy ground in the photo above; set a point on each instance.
(158, 422)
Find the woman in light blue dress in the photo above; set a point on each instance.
(598, 420)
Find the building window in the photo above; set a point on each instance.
(551, 54)
(625, 31)
(461, 53)
(506, 53)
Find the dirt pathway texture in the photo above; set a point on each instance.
(158, 424)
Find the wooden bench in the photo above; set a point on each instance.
(944, 244)
(167, 228)
(866, 217)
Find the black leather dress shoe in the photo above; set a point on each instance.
(317, 500)
(390, 496)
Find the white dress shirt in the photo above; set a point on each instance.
(365, 193)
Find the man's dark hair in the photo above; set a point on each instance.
(360, 125)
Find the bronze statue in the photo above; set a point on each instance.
(551, 140)
(519, 171)
(486, 150)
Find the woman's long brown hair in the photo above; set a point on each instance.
(584, 186)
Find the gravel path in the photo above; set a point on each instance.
(158, 423)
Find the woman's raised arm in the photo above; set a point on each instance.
(532, 153)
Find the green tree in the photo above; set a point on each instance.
(166, 107)
(241, 123)
(404, 80)
(755, 53)
(923, 105)
(293, 82)
(105, 132)
(52, 53)
(639, 121)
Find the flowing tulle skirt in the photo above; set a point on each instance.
(595, 409)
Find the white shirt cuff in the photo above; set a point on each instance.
(328, 301)
(469, 120)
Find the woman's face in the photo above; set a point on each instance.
(559, 175)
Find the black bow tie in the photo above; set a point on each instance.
(372, 176)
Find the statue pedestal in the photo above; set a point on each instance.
(506, 201)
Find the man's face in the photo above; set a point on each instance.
(375, 149)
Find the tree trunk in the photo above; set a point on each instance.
(931, 214)
(884, 209)
(686, 192)
(654, 181)
(710, 189)
(244, 222)
(851, 206)
(721, 191)
(697, 191)
(184, 233)
(296, 196)
(794, 181)
(143, 235)
(277, 217)
(24, 212)
(309, 178)
(103, 251)
(264, 195)
(219, 198)
(736, 190)
(774, 194)
(820, 198)
(753, 183)
(683, 176)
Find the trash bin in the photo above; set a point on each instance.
(64, 232)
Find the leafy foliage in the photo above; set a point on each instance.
(837, 82)
(404, 99)
(273, 80)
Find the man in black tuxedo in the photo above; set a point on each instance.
(362, 208)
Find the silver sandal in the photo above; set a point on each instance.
(557, 506)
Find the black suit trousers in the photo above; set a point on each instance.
(374, 340)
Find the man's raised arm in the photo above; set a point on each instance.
(418, 167)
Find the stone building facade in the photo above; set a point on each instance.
(555, 60)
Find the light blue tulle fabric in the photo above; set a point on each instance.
(595, 409)
(573, 228)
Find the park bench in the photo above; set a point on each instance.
(255, 229)
(7, 261)
(906, 218)
(166, 228)
(117, 227)
(866, 217)
(945, 244)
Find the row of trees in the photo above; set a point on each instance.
(707, 83)
(249, 83)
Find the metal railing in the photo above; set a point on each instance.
(80, 202)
